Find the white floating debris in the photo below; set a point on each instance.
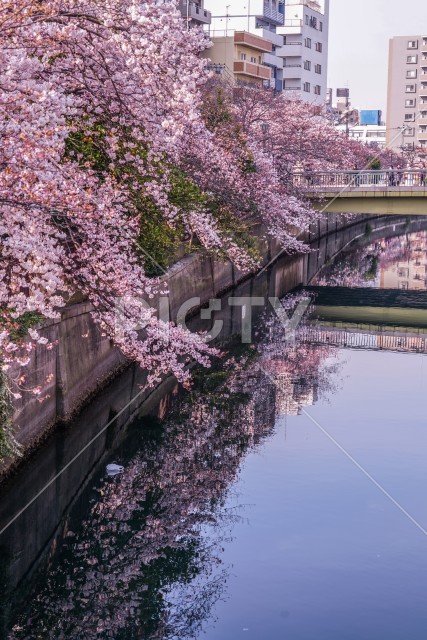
(114, 470)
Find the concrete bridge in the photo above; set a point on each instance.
(366, 192)
(365, 307)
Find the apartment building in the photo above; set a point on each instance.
(407, 93)
(262, 19)
(242, 54)
(194, 12)
(305, 49)
(368, 134)
(269, 15)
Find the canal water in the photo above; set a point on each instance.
(284, 496)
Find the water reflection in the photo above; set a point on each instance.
(388, 263)
(142, 554)
(146, 561)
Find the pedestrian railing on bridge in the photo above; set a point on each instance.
(338, 180)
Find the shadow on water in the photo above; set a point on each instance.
(127, 557)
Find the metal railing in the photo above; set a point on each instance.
(318, 180)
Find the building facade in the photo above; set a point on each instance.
(269, 15)
(368, 134)
(407, 93)
(242, 55)
(305, 49)
(194, 12)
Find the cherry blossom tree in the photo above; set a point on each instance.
(104, 126)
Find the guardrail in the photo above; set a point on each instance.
(318, 180)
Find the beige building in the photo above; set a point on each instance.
(407, 93)
(242, 55)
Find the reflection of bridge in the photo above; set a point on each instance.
(366, 192)
(374, 338)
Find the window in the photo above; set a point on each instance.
(411, 88)
(319, 47)
(318, 68)
(320, 26)
(403, 285)
(411, 73)
(307, 19)
(307, 42)
(253, 59)
(409, 132)
(403, 272)
(410, 102)
(306, 87)
(307, 65)
(313, 22)
(409, 117)
(317, 89)
(413, 44)
(243, 56)
(411, 59)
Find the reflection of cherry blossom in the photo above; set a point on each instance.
(360, 267)
(145, 562)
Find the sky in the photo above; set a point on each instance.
(358, 42)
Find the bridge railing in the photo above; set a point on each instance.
(318, 180)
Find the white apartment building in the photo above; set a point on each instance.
(407, 93)
(305, 49)
(367, 133)
(269, 15)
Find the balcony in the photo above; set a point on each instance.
(273, 60)
(252, 70)
(292, 71)
(195, 12)
(291, 27)
(423, 92)
(422, 121)
(273, 16)
(275, 38)
(254, 42)
(422, 136)
(290, 50)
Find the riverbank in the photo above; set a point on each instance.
(82, 361)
